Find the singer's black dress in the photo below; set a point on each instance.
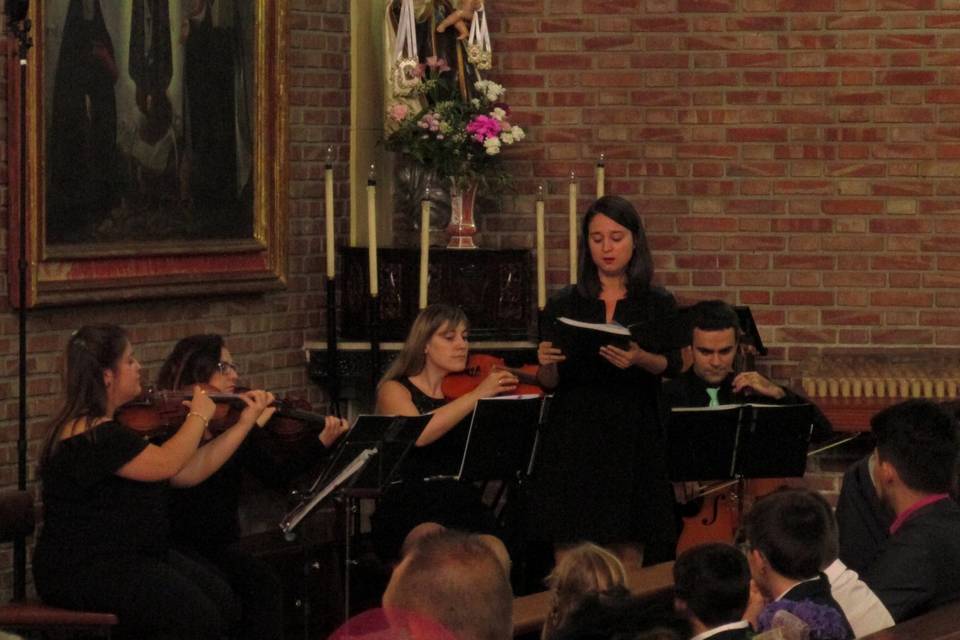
(602, 474)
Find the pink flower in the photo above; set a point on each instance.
(484, 127)
(398, 111)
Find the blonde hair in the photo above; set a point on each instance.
(584, 569)
(412, 358)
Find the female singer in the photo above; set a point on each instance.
(436, 346)
(602, 471)
(103, 546)
(204, 518)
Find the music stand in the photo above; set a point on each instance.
(738, 442)
(500, 439)
(366, 459)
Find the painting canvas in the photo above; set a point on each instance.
(156, 148)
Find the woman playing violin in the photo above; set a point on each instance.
(205, 520)
(602, 471)
(436, 347)
(103, 546)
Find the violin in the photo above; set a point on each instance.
(479, 366)
(158, 412)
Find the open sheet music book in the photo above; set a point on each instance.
(581, 341)
(749, 440)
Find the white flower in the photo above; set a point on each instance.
(492, 146)
(517, 133)
(498, 114)
(491, 90)
(507, 138)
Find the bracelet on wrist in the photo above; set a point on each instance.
(203, 418)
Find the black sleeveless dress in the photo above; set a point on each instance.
(425, 492)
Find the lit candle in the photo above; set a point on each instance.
(372, 230)
(541, 256)
(573, 227)
(328, 192)
(424, 247)
(600, 177)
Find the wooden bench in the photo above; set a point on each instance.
(939, 624)
(653, 583)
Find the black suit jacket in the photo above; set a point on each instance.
(863, 520)
(690, 390)
(918, 568)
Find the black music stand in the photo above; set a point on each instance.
(365, 461)
(738, 441)
(500, 440)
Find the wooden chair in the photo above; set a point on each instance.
(17, 519)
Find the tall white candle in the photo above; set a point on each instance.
(573, 228)
(541, 255)
(328, 192)
(601, 176)
(424, 248)
(372, 231)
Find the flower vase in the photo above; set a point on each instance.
(462, 227)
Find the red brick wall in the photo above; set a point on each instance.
(265, 332)
(798, 156)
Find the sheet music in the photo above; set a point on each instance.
(292, 519)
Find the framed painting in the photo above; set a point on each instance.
(156, 140)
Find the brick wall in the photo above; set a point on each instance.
(797, 156)
(265, 332)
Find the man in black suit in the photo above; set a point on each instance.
(714, 339)
(786, 533)
(918, 568)
(712, 589)
(862, 518)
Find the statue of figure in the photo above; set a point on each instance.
(434, 38)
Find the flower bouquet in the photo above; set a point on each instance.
(453, 138)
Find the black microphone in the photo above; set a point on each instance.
(16, 10)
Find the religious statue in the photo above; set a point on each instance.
(440, 32)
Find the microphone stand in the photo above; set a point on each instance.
(21, 31)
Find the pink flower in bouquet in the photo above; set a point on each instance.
(437, 64)
(483, 127)
(398, 111)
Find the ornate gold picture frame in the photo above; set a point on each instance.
(156, 138)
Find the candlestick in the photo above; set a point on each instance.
(328, 192)
(372, 230)
(424, 247)
(573, 227)
(541, 256)
(601, 176)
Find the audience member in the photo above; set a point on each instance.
(620, 616)
(863, 519)
(918, 567)
(457, 580)
(582, 570)
(712, 588)
(863, 609)
(785, 535)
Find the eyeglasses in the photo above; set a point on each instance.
(226, 367)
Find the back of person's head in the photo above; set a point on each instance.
(582, 570)
(412, 357)
(456, 579)
(713, 315)
(639, 269)
(620, 616)
(789, 528)
(193, 361)
(919, 439)
(92, 350)
(713, 582)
